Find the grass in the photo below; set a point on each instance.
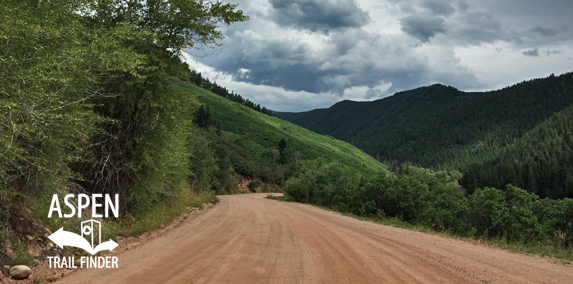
(284, 198)
(23, 257)
(565, 255)
(40, 278)
(259, 133)
(161, 214)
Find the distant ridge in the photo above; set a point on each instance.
(349, 120)
(439, 126)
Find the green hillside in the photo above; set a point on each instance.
(355, 121)
(438, 126)
(541, 161)
(254, 136)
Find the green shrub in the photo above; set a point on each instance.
(202, 163)
(426, 198)
(23, 257)
(254, 184)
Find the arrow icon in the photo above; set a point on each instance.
(64, 238)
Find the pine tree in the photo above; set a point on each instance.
(282, 146)
(202, 117)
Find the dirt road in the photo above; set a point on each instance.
(250, 239)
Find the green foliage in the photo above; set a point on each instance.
(249, 140)
(254, 184)
(425, 198)
(144, 153)
(321, 182)
(223, 181)
(494, 138)
(282, 146)
(372, 125)
(7, 197)
(202, 161)
(209, 164)
(540, 161)
(23, 257)
(51, 68)
(86, 97)
(223, 92)
(202, 118)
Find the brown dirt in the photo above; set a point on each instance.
(250, 239)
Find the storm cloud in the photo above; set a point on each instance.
(547, 32)
(303, 54)
(319, 15)
(440, 7)
(531, 53)
(422, 28)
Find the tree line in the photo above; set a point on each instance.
(541, 161)
(198, 79)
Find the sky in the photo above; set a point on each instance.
(298, 55)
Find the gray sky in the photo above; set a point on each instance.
(297, 55)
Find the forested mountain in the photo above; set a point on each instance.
(440, 126)
(354, 121)
(510, 136)
(541, 161)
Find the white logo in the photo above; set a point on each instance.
(64, 238)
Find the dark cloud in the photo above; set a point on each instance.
(463, 6)
(422, 28)
(475, 28)
(532, 52)
(547, 32)
(551, 52)
(406, 8)
(439, 7)
(349, 58)
(296, 76)
(536, 53)
(275, 63)
(294, 67)
(533, 22)
(319, 15)
(333, 48)
(532, 12)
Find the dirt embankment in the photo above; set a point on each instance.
(250, 239)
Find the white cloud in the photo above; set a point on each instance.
(355, 93)
(510, 66)
(317, 61)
